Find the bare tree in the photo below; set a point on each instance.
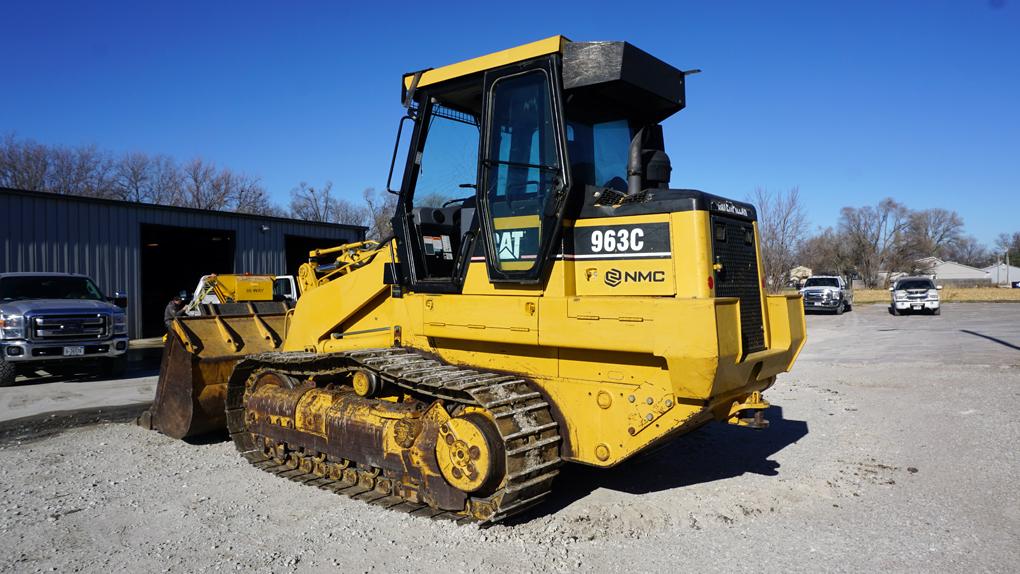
(89, 171)
(309, 203)
(432, 199)
(826, 252)
(312, 204)
(248, 196)
(782, 226)
(131, 178)
(968, 251)
(203, 187)
(1008, 247)
(875, 237)
(933, 232)
(23, 164)
(164, 181)
(83, 170)
(349, 213)
(381, 207)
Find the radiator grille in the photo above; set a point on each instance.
(65, 327)
(733, 243)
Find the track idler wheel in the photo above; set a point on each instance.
(365, 383)
(470, 455)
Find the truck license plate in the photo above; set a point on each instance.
(917, 307)
(73, 351)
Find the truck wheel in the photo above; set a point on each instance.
(849, 308)
(840, 309)
(937, 311)
(7, 373)
(894, 311)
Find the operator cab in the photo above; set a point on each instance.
(499, 155)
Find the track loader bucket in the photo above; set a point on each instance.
(199, 355)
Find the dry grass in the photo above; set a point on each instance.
(948, 294)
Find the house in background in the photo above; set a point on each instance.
(1003, 274)
(799, 274)
(952, 273)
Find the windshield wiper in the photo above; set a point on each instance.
(492, 162)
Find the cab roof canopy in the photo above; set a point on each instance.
(604, 77)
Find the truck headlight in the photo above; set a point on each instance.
(12, 327)
(933, 294)
(120, 324)
(901, 295)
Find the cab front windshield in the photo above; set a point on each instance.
(911, 284)
(21, 288)
(822, 282)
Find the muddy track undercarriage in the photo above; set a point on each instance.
(396, 428)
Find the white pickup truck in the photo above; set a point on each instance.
(827, 293)
(910, 294)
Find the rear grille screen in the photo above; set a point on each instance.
(733, 243)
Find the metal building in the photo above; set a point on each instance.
(151, 251)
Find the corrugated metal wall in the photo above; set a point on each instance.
(100, 238)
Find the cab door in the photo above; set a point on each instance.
(523, 176)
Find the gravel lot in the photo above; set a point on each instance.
(893, 447)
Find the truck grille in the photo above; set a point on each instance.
(734, 249)
(813, 296)
(66, 327)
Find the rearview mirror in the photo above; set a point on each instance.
(892, 288)
(939, 287)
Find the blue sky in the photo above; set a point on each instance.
(850, 101)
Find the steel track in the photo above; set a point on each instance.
(523, 419)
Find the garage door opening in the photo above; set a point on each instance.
(297, 248)
(173, 259)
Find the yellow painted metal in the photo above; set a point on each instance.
(472, 317)
(230, 288)
(349, 256)
(362, 383)
(753, 402)
(198, 357)
(543, 47)
(465, 456)
(310, 414)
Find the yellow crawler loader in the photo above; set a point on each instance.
(566, 305)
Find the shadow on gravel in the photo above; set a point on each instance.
(144, 363)
(38, 427)
(716, 451)
(84, 375)
(214, 437)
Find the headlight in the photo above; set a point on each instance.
(12, 327)
(901, 295)
(120, 324)
(933, 294)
